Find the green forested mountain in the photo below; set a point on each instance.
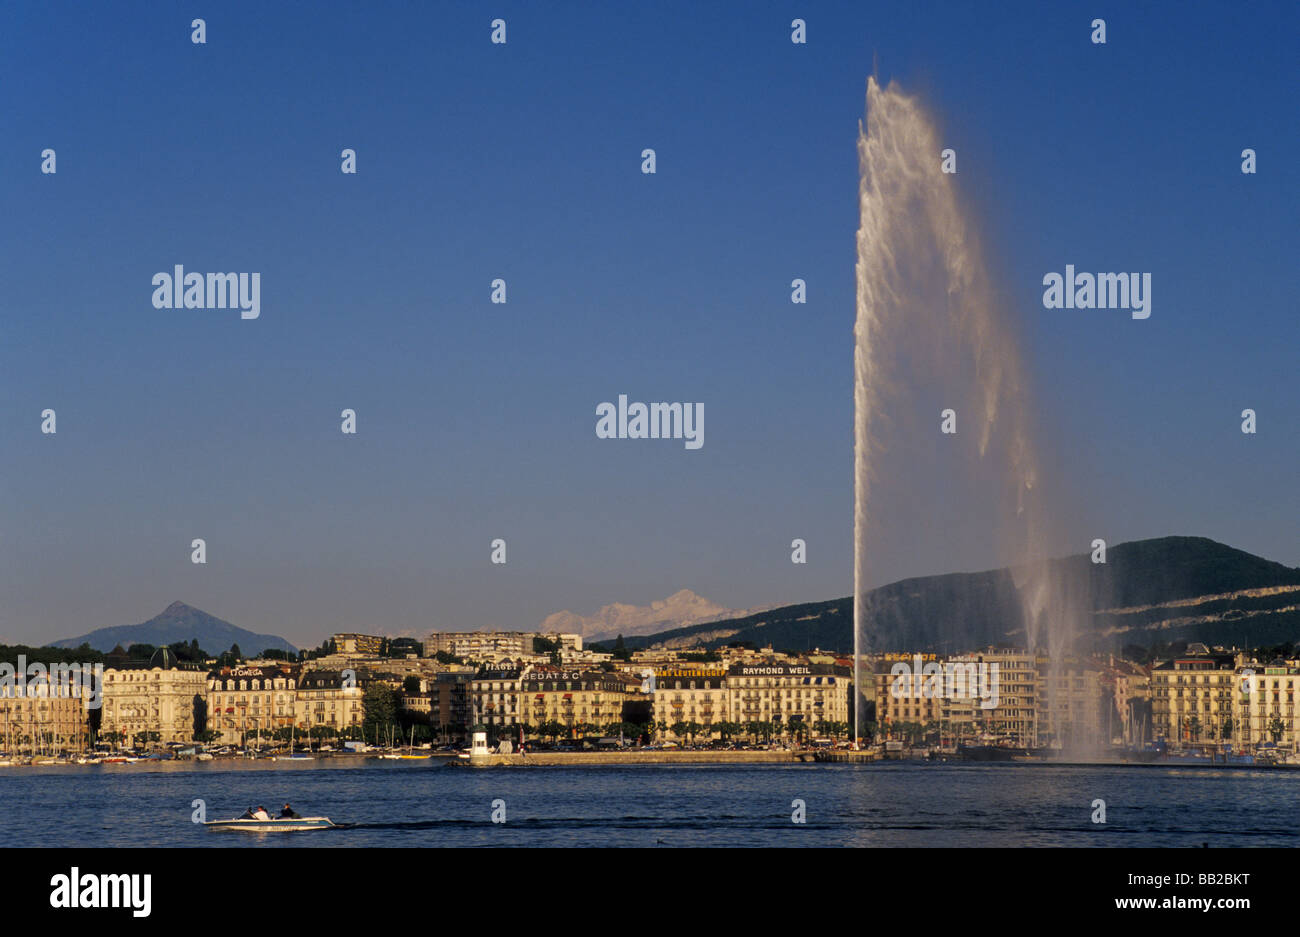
(1147, 591)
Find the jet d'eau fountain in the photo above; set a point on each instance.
(934, 337)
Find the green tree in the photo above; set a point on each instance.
(379, 706)
(200, 715)
(701, 657)
(620, 651)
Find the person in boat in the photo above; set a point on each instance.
(246, 815)
(261, 814)
(288, 813)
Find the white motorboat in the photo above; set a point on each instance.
(273, 825)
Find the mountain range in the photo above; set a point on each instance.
(680, 609)
(1147, 592)
(180, 622)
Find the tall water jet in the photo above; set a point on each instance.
(931, 334)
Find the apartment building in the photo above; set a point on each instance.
(494, 646)
(39, 715)
(330, 699)
(900, 699)
(494, 698)
(1194, 699)
(443, 701)
(364, 644)
(154, 698)
(244, 702)
(577, 698)
(811, 693)
(691, 694)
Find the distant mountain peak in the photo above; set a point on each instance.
(684, 607)
(181, 622)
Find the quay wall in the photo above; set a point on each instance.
(637, 758)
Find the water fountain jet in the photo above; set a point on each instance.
(929, 320)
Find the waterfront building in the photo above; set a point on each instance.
(1264, 700)
(419, 704)
(251, 702)
(691, 694)
(329, 699)
(443, 702)
(1194, 699)
(1071, 703)
(998, 699)
(494, 698)
(574, 699)
(36, 716)
(1129, 685)
(153, 702)
(807, 693)
(901, 701)
(1222, 699)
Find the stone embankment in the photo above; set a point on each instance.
(639, 758)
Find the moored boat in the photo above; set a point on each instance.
(993, 753)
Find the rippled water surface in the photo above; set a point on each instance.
(435, 804)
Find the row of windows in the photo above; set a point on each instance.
(244, 685)
(1221, 677)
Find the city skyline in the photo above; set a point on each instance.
(477, 421)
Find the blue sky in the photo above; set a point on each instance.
(522, 161)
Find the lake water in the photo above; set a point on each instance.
(434, 804)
